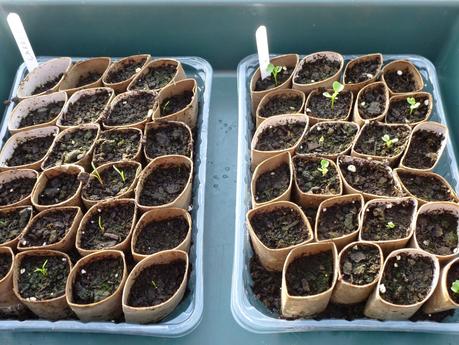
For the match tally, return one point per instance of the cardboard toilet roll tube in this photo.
(415, 95)
(81, 69)
(315, 119)
(355, 87)
(13, 242)
(9, 303)
(379, 308)
(183, 199)
(441, 299)
(434, 127)
(401, 65)
(357, 117)
(349, 293)
(44, 73)
(51, 309)
(273, 258)
(189, 114)
(122, 85)
(21, 110)
(156, 312)
(8, 150)
(110, 307)
(306, 306)
(268, 165)
(325, 83)
(390, 245)
(288, 60)
(280, 93)
(50, 173)
(157, 215)
(344, 240)
(66, 243)
(11, 175)
(259, 156)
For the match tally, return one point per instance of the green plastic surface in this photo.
(223, 33)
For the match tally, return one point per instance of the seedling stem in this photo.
(43, 269)
(121, 173)
(413, 104)
(96, 174)
(337, 88)
(388, 141)
(274, 71)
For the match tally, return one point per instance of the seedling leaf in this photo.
(390, 225)
(121, 173)
(324, 164)
(455, 286)
(274, 71)
(100, 224)
(413, 104)
(388, 141)
(96, 174)
(43, 269)
(337, 88)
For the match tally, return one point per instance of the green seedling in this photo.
(154, 284)
(43, 269)
(390, 225)
(274, 71)
(413, 104)
(455, 286)
(324, 164)
(165, 105)
(321, 140)
(337, 88)
(388, 141)
(2, 222)
(96, 174)
(121, 173)
(100, 224)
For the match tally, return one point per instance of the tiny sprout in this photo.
(321, 140)
(455, 286)
(96, 174)
(121, 173)
(165, 105)
(413, 104)
(43, 270)
(324, 167)
(2, 222)
(274, 71)
(100, 224)
(337, 88)
(154, 284)
(389, 142)
(390, 225)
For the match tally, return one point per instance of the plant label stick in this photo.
(263, 50)
(20, 36)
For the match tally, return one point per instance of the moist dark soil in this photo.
(41, 115)
(328, 138)
(5, 264)
(164, 185)
(49, 228)
(400, 83)
(279, 137)
(280, 228)
(156, 284)
(360, 264)
(131, 110)
(387, 221)
(362, 71)
(311, 213)
(161, 235)
(116, 145)
(281, 104)
(13, 191)
(13, 222)
(127, 69)
(168, 138)
(429, 188)
(316, 70)
(30, 150)
(372, 102)
(370, 140)
(423, 150)
(113, 184)
(72, 147)
(320, 106)
(453, 275)
(269, 83)
(311, 180)
(156, 77)
(272, 184)
(86, 109)
(47, 85)
(97, 280)
(407, 279)
(266, 285)
(108, 226)
(339, 220)
(399, 111)
(88, 78)
(175, 103)
(59, 189)
(310, 275)
(436, 232)
(39, 285)
(369, 177)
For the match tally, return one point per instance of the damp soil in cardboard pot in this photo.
(15, 190)
(49, 84)
(426, 187)
(317, 70)
(86, 109)
(132, 109)
(266, 285)
(372, 102)
(399, 111)
(175, 103)
(30, 150)
(423, 150)
(156, 77)
(400, 81)
(116, 145)
(436, 232)
(59, 188)
(270, 83)
(363, 70)
(168, 138)
(125, 70)
(13, 222)
(281, 104)
(320, 106)
(360, 264)
(311, 180)
(279, 137)
(43, 114)
(272, 184)
(339, 220)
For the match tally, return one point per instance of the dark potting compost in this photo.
(30, 150)
(59, 188)
(360, 264)
(176, 103)
(116, 145)
(270, 82)
(168, 138)
(320, 106)
(155, 77)
(400, 80)
(86, 109)
(372, 102)
(47, 85)
(317, 70)
(13, 222)
(427, 187)
(15, 190)
(339, 220)
(126, 70)
(272, 184)
(423, 150)
(311, 180)
(281, 104)
(362, 70)
(42, 114)
(280, 137)
(400, 112)
(132, 109)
